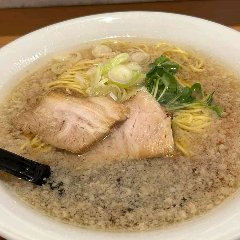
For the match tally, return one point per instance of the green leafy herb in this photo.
(162, 84)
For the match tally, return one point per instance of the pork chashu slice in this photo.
(71, 123)
(146, 133)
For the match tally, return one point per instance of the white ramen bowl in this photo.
(20, 222)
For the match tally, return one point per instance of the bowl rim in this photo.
(89, 17)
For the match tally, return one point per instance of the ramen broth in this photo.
(126, 194)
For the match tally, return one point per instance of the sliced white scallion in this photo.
(120, 74)
(119, 59)
(113, 96)
(101, 51)
(134, 66)
(124, 77)
(140, 57)
(117, 77)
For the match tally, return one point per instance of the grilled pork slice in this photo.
(146, 133)
(72, 123)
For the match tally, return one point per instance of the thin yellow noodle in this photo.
(61, 82)
(195, 69)
(183, 82)
(189, 121)
(184, 127)
(24, 145)
(182, 149)
(70, 84)
(36, 143)
(70, 88)
(171, 49)
(178, 51)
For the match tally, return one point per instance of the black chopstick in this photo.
(24, 168)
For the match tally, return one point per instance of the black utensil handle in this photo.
(24, 168)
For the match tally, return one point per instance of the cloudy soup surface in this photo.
(178, 159)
